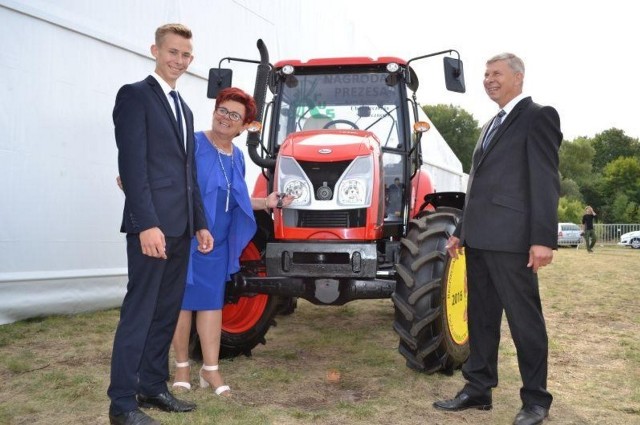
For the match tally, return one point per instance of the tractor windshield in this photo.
(361, 101)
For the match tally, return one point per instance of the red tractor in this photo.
(343, 136)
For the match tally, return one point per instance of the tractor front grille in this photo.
(324, 173)
(332, 219)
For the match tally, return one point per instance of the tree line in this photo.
(602, 171)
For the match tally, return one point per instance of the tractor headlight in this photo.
(354, 188)
(352, 192)
(293, 181)
(299, 190)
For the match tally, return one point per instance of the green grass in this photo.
(55, 370)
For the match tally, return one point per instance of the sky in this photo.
(580, 57)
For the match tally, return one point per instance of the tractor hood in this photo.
(329, 145)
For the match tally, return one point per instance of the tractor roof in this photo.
(356, 60)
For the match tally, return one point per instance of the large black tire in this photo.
(431, 339)
(246, 320)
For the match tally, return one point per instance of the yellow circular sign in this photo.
(456, 300)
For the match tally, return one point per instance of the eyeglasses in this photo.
(224, 112)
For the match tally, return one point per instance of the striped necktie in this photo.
(494, 128)
(176, 102)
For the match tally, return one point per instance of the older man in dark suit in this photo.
(163, 209)
(509, 231)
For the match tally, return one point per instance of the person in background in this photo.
(394, 197)
(587, 228)
(509, 231)
(162, 210)
(229, 211)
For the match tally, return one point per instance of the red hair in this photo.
(237, 95)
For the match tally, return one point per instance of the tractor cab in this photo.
(334, 99)
(322, 103)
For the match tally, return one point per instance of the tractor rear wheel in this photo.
(430, 298)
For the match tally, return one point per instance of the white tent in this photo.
(61, 64)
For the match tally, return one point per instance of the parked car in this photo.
(569, 234)
(631, 239)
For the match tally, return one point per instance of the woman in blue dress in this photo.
(229, 210)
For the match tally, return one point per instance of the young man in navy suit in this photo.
(509, 231)
(163, 209)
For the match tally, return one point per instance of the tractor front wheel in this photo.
(245, 319)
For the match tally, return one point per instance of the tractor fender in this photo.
(260, 187)
(443, 199)
(421, 186)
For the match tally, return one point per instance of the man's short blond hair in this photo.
(177, 29)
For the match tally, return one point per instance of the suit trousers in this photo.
(148, 317)
(497, 282)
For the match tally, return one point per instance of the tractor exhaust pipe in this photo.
(260, 95)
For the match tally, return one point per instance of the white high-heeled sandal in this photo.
(205, 384)
(182, 384)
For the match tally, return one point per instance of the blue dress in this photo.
(232, 228)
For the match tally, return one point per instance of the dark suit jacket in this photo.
(158, 176)
(513, 189)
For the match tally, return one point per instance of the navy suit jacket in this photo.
(158, 175)
(513, 189)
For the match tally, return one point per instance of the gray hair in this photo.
(514, 62)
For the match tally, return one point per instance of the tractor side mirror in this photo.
(219, 78)
(454, 75)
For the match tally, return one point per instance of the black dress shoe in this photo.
(531, 415)
(134, 417)
(165, 401)
(463, 401)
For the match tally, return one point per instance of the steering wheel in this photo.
(347, 122)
